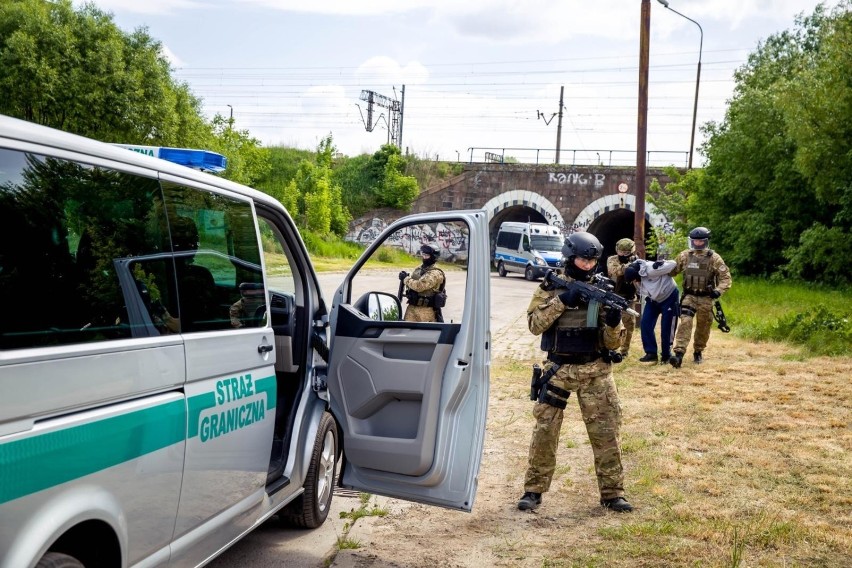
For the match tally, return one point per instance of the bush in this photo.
(822, 331)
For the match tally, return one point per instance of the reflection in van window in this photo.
(217, 260)
(67, 234)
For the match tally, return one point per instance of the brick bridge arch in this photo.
(597, 199)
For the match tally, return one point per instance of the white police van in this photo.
(171, 377)
(528, 248)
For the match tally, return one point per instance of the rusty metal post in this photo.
(642, 129)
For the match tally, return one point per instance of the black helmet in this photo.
(584, 245)
(432, 252)
(701, 234)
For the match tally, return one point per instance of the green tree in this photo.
(77, 71)
(756, 194)
(248, 162)
(392, 187)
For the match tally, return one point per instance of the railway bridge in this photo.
(597, 199)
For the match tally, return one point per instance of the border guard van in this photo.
(171, 376)
(528, 248)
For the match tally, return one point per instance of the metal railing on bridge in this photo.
(572, 157)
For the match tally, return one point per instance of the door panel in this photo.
(411, 397)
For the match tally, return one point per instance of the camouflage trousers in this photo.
(601, 410)
(697, 309)
(629, 325)
(420, 313)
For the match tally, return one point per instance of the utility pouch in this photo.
(439, 300)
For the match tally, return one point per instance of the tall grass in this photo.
(816, 317)
(333, 253)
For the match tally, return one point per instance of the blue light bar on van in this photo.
(203, 160)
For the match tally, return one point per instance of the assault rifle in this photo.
(600, 290)
(401, 284)
(719, 316)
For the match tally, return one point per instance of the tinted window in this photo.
(71, 239)
(217, 260)
(508, 240)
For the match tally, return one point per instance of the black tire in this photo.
(528, 273)
(501, 270)
(311, 508)
(58, 560)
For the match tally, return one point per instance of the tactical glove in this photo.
(571, 297)
(403, 274)
(714, 293)
(657, 264)
(613, 317)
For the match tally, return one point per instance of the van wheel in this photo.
(311, 508)
(528, 274)
(501, 270)
(58, 560)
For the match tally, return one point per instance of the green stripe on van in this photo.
(270, 387)
(40, 462)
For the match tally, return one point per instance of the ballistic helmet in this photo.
(700, 234)
(584, 245)
(625, 247)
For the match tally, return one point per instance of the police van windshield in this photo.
(546, 242)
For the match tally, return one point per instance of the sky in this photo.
(477, 76)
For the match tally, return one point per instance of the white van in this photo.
(528, 248)
(171, 376)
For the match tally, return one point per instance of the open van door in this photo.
(411, 397)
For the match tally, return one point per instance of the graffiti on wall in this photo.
(577, 178)
(451, 239)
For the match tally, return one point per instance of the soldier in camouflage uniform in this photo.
(705, 278)
(615, 265)
(425, 288)
(577, 337)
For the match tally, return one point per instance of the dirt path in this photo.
(496, 533)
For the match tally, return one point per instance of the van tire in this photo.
(501, 270)
(528, 273)
(58, 560)
(311, 508)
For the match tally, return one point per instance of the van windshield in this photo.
(546, 242)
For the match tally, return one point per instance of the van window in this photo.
(68, 235)
(217, 260)
(551, 243)
(508, 240)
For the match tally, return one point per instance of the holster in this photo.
(542, 391)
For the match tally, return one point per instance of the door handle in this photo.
(264, 349)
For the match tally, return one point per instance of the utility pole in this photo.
(559, 124)
(642, 129)
(547, 121)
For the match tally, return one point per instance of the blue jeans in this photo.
(668, 308)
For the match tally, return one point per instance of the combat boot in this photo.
(648, 358)
(676, 360)
(529, 501)
(617, 504)
(697, 357)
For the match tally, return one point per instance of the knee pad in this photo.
(687, 311)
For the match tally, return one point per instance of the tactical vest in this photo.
(427, 298)
(698, 274)
(575, 332)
